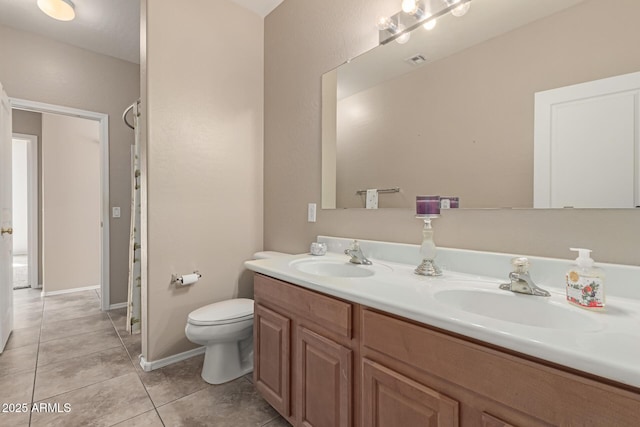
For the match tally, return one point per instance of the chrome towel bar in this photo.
(383, 190)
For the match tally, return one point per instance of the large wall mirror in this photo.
(451, 112)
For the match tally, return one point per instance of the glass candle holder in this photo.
(427, 205)
(428, 251)
(318, 249)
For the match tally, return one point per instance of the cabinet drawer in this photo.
(332, 314)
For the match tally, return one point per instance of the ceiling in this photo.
(109, 27)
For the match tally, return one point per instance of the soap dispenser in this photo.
(585, 282)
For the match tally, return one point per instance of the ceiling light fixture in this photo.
(62, 10)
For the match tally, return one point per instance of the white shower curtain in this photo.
(133, 307)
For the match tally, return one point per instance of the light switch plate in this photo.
(115, 212)
(311, 212)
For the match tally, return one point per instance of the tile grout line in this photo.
(35, 368)
(155, 408)
(79, 388)
(84, 386)
(271, 420)
(77, 357)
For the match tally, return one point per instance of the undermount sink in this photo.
(527, 310)
(335, 268)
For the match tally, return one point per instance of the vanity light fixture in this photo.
(404, 37)
(409, 5)
(414, 8)
(415, 13)
(391, 26)
(387, 24)
(62, 10)
(430, 24)
(461, 7)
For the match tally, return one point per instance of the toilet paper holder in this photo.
(179, 279)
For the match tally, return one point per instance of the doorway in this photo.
(102, 199)
(25, 210)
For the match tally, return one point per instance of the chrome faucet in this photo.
(521, 281)
(357, 257)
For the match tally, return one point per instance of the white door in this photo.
(587, 145)
(6, 239)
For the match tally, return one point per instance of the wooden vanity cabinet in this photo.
(303, 354)
(325, 362)
(493, 387)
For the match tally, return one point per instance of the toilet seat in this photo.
(222, 313)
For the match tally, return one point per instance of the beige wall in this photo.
(464, 124)
(39, 69)
(297, 52)
(71, 202)
(30, 123)
(203, 107)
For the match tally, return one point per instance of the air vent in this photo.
(416, 60)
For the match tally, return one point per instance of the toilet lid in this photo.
(229, 311)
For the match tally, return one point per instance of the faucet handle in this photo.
(355, 245)
(520, 265)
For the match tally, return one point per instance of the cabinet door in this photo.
(324, 381)
(272, 365)
(390, 399)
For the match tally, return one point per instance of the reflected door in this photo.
(587, 145)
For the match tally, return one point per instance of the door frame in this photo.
(32, 205)
(103, 124)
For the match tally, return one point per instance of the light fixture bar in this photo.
(429, 9)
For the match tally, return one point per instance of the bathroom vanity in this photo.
(338, 348)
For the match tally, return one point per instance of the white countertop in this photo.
(610, 350)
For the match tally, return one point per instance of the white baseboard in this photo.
(157, 364)
(69, 291)
(118, 305)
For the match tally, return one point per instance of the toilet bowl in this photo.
(225, 329)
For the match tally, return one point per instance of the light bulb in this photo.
(403, 38)
(409, 6)
(430, 25)
(386, 23)
(462, 9)
(62, 10)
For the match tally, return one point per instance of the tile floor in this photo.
(64, 350)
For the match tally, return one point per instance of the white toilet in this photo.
(225, 328)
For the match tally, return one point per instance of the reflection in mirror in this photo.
(461, 122)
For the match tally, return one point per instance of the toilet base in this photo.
(237, 357)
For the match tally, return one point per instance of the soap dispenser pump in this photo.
(585, 282)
